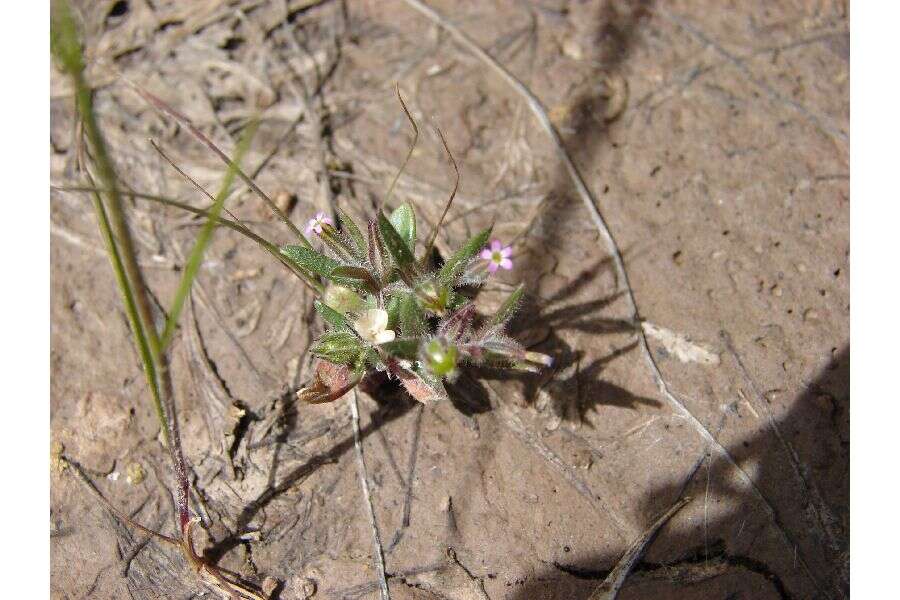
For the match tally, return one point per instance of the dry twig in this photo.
(610, 587)
(364, 483)
(540, 113)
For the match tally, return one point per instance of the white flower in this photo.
(372, 326)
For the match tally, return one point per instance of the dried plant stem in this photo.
(203, 212)
(610, 587)
(364, 484)
(89, 485)
(66, 47)
(409, 154)
(186, 123)
(540, 113)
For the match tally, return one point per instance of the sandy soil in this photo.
(715, 141)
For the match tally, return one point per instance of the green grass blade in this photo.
(203, 239)
(237, 226)
(131, 311)
(66, 47)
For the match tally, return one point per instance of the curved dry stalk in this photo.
(610, 587)
(437, 226)
(192, 129)
(210, 574)
(411, 148)
(192, 181)
(590, 204)
(89, 485)
(364, 484)
(204, 212)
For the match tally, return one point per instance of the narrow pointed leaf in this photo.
(378, 256)
(395, 245)
(331, 316)
(361, 276)
(407, 348)
(454, 267)
(404, 221)
(339, 347)
(354, 232)
(318, 263)
(509, 306)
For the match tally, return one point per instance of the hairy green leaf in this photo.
(509, 306)
(331, 316)
(339, 347)
(454, 267)
(404, 221)
(354, 232)
(410, 315)
(392, 306)
(309, 259)
(318, 263)
(398, 249)
(407, 348)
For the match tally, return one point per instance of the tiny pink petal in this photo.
(506, 264)
(506, 252)
(496, 245)
(485, 254)
(492, 267)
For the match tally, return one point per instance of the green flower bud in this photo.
(440, 357)
(434, 297)
(342, 299)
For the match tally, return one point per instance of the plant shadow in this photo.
(730, 556)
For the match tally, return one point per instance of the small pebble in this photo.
(134, 473)
(810, 314)
(242, 274)
(57, 462)
(572, 49)
(301, 587)
(284, 200)
(270, 584)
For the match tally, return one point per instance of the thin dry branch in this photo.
(540, 113)
(364, 484)
(610, 587)
(90, 487)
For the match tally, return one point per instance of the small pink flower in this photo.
(497, 256)
(315, 224)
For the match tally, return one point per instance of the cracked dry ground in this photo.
(723, 174)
